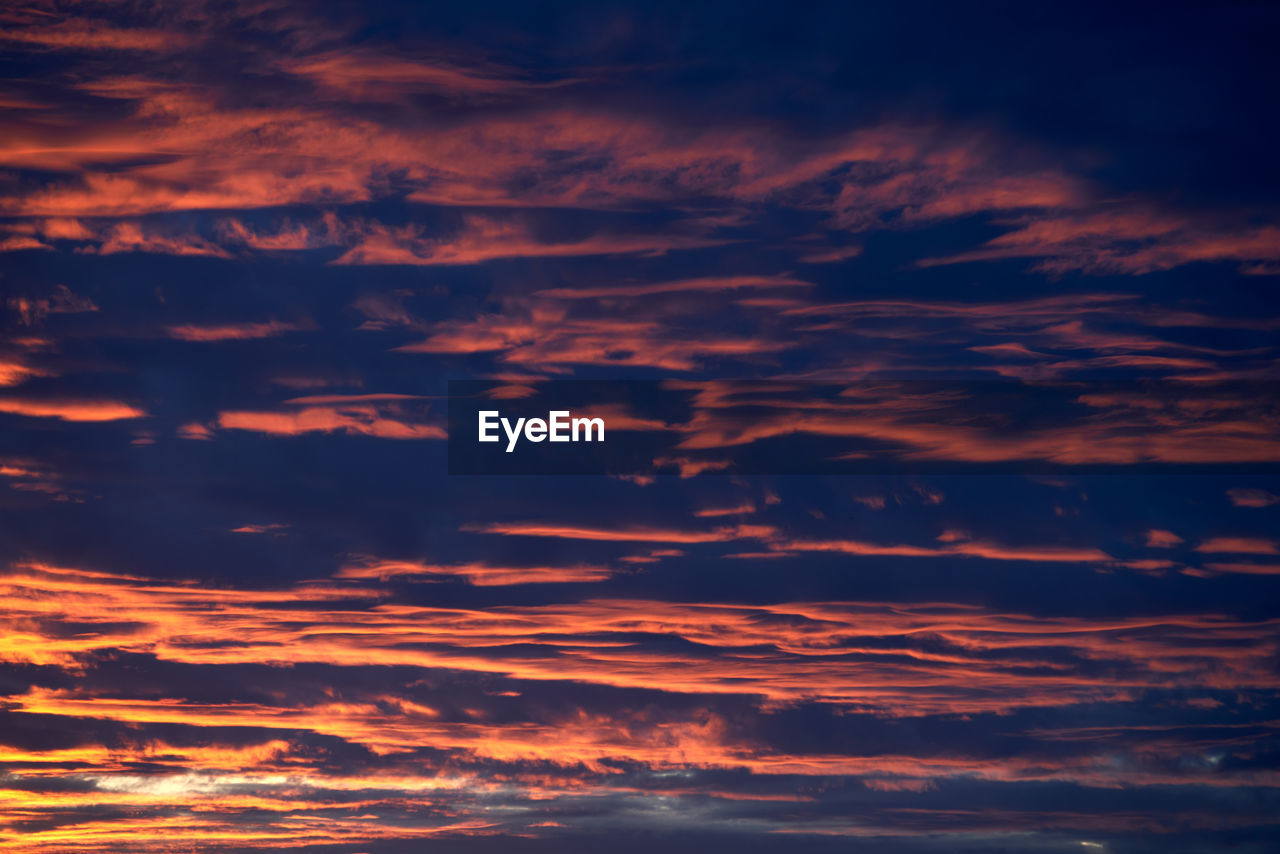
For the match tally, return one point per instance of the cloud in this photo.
(195, 430)
(131, 237)
(71, 410)
(351, 418)
(21, 242)
(457, 668)
(546, 335)
(815, 648)
(435, 714)
(291, 237)
(830, 256)
(987, 316)
(955, 423)
(87, 35)
(1133, 241)
(60, 300)
(484, 239)
(1240, 545)
(630, 535)
(709, 283)
(1252, 497)
(364, 76)
(14, 372)
(1245, 568)
(735, 510)
(268, 528)
(1159, 539)
(974, 548)
(181, 147)
(231, 331)
(478, 574)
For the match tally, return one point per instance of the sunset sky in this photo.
(246, 244)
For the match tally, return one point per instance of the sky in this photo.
(245, 246)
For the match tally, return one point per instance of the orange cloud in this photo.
(735, 510)
(974, 548)
(221, 157)
(13, 372)
(131, 237)
(888, 659)
(478, 574)
(1158, 539)
(195, 430)
(20, 242)
(61, 300)
(822, 651)
(630, 535)
(361, 419)
(1245, 568)
(1240, 545)
(71, 410)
